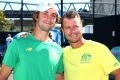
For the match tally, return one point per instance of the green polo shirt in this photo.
(32, 59)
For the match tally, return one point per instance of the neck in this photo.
(40, 35)
(78, 44)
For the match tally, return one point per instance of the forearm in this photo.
(2, 77)
(5, 72)
(116, 73)
(117, 77)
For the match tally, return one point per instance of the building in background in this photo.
(105, 7)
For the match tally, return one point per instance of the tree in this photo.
(4, 23)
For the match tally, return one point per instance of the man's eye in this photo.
(67, 27)
(54, 16)
(44, 13)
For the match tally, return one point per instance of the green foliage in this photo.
(4, 23)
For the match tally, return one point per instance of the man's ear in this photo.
(58, 19)
(35, 16)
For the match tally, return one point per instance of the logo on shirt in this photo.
(116, 64)
(86, 58)
(29, 49)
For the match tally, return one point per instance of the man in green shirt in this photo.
(35, 57)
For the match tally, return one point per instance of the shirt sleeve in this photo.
(60, 68)
(11, 55)
(108, 62)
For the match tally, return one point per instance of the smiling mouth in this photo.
(73, 35)
(49, 23)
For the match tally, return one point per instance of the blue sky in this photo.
(17, 6)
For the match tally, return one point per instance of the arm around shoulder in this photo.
(5, 72)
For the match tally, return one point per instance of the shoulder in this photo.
(96, 44)
(98, 48)
(18, 42)
(66, 48)
(55, 46)
(21, 39)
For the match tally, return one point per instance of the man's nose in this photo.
(73, 29)
(49, 16)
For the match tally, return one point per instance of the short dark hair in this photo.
(70, 14)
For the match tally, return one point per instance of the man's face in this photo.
(72, 29)
(47, 19)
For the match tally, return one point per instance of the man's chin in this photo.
(73, 41)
